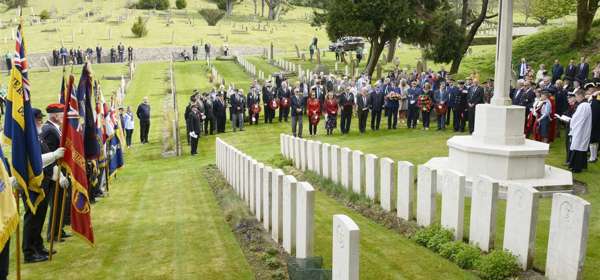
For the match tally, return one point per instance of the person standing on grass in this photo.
(195, 129)
(376, 102)
(238, 105)
(129, 125)
(143, 113)
(441, 98)
(331, 109)
(474, 98)
(413, 109)
(425, 103)
(98, 53)
(580, 129)
(347, 102)
(363, 104)
(219, 108)
(209, 112)
(297, 109)
(314, 113)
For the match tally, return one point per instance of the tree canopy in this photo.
(379, 21)
(545, 10)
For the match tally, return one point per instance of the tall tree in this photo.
(545, 10)
(525, 7)
(586, 10)
(379, 21)
(276, 7)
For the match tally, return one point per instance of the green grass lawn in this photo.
(161, 220)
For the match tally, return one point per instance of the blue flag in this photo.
(20, 131)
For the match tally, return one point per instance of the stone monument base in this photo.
(554, 179)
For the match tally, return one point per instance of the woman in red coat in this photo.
(331, 109)
(314, 113)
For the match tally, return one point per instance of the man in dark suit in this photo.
(571, 71)
(195, 129)
(267, 96)
(238, 105)
(50, 136)
(209, 122)
(475, 97)
(143, 113)
(363, 104)
(347, 103)
(557, 70)
(253, 99)
(220, 112)
(297, 109)
(376, 102)
(583, 70)
(99, 53)
(284, 93)
(460, 107)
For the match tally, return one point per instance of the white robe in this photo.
(581, 127)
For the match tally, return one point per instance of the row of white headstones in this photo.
(286, 209)
(249, 67)
(395, 191)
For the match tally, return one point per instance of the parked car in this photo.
(347, 44)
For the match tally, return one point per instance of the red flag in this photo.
(74, 163)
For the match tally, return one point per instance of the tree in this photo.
(525, 7)
(44, 15)
(212, 16)
(545, 10)
(276, 7)
(226, 5)
(586, 10)
(180, 4)
(139, 28)
(379, 21)
(11, 4)
(453, 39)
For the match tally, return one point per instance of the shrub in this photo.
(422, 236)
(139, 28)
(441, 237)
(497, 265)
(44, 15)
(153, 4)
(450, 249)
(467, 256)
(180, 4)
(212, 16)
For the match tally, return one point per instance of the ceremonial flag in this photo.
(20, 131)
(74, 163)
(9, 217)
(84, 92)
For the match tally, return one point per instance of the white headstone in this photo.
(335, 164)
(358, 171)
(426, 187)
(305, 220)
(250, 199)
(520, 223)
(453, 203)
(291, 147)
(387, 184)
(326, 156)
(346, 249)
(317, 158)
(282, 144)
(371, 175)
(346, 166)
(258, 191)
(303, 159)
(297, 145)
(310, 154)
(277, 205)
(567, 242)
(406, 190)
(289, 213)
(266, 194)
(482, 226)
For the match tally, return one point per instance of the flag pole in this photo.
(18, 239)
(53, 219)
(62, 213)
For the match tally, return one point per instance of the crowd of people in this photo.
(404, 98)
(64, 56)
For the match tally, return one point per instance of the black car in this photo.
(347, 44)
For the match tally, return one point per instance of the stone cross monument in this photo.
(498, 147)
